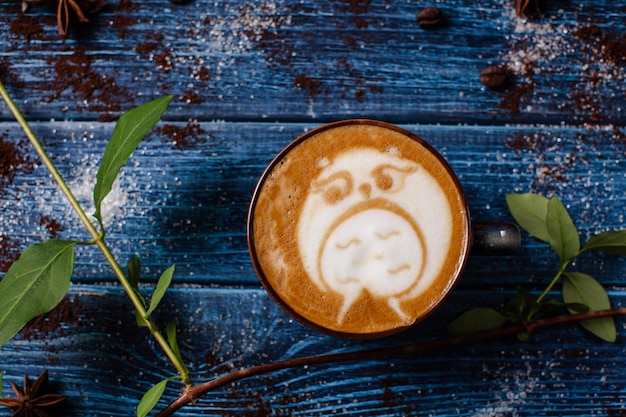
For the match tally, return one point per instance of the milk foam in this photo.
(374, 222)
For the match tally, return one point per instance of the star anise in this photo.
(29, 403)
(81, 9)
(525, 7)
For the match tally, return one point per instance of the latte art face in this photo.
(362, 228)
(358, 229)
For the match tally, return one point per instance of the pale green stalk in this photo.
(95, 234)
(553, 282)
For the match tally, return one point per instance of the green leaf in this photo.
(613, 243)
(476, 320)
(141, 322)
(530, 211)
(170, 329)
(34, 284)
(130, 129)
(545, 307)
(164, 282)
(1, 376)
(134, 268)
(564, 237)
(152, 397)
(134, 272)
(521, 307)
(583, 289)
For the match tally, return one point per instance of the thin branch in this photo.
(192, 394)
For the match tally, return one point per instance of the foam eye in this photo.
(390, 178)
(334, 194)
(383, 181)
(335, 187)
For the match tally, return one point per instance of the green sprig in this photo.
(40, 278)
(548, 220)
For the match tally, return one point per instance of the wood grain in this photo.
(249, 77)
(103, 367)
(189, 206)
(282, 60)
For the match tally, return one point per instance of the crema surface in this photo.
(359, 229)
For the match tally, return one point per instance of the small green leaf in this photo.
(34, 284)
(141, 322)
(583, 289)
(530, 211)
(1, 376)
(134, 271)
(523, 336)
(524, 306)
(564, 237)
(170, 329)
(164, 282)
(613, 243)
(545, 307)
(152, 397)
(521, 306)
(134, 268)
(476, 320)
(130, 129)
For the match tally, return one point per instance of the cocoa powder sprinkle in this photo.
(183, 137)
(9, 252)
(12, 161)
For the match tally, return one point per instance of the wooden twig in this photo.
(192, 394)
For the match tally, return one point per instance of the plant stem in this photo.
(194, 393)
(553, 282)
(48, 163)
(95, 234)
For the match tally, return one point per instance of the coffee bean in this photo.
(494, 76)
(430, 17)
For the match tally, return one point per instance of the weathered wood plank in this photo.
(284, 60)
(103, 365)
(187, 205)
(234, 69)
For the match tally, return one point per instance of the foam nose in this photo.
(366, 190)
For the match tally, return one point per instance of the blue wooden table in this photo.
(249, 77)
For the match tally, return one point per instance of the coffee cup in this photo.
(360, 229)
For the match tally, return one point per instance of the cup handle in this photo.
(495, 238)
